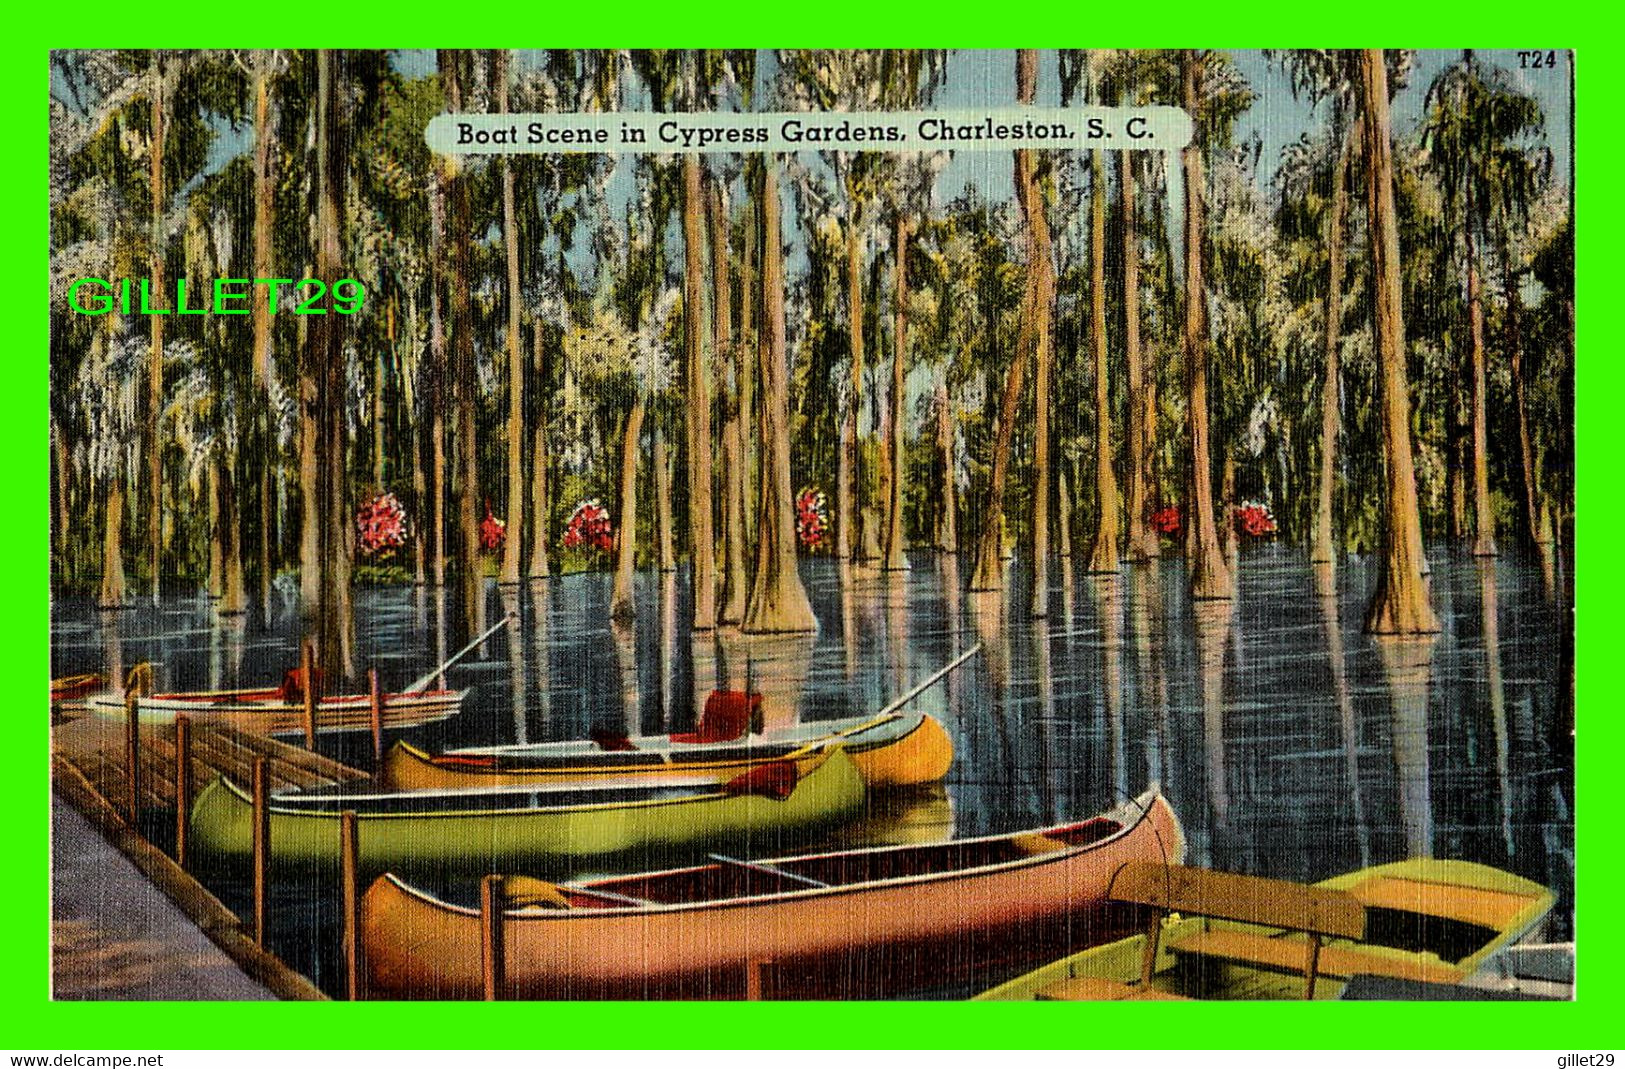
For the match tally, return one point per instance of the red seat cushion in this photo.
(776, 779)
(728, 716)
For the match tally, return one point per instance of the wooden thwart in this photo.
(1315, 911)
(1492, 909)
(1287, 955)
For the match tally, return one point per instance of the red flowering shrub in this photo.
(380, 527)
(1167, 520)
(589, 528)
(493, 532)
(812, 518)
(1254, 519)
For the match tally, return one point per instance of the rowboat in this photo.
(71, 688)
(281, 710)
(1218, 935)
(558, 829)
(270, 711)
(835, 924)
(891, 751)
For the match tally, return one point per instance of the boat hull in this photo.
(850, 941)
(1505, 905)
(921, 753)
(556, 840)
(264, 714)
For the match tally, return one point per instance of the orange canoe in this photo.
(844, 924)
(898, 751)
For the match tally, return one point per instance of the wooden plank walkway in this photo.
(108, 944)
(95, 746)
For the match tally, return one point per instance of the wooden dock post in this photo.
(375, 710)
(493, 954)
(262, 845)
(307, 666)
(132, 756)
(759, 976)
(183, 785)
(350, 869)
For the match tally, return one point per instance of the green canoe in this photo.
(547, 830)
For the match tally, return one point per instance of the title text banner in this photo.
(1163, 129)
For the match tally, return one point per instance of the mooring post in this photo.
(183, 785)
(132, 755)
(307, 662)
(350, 866)
(375, 709)
(262, 844)
(759, 975)
(493, 954)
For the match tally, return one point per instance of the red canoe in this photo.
(856, 923)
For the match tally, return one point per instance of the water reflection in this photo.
(1347, 727)
(1407, 662)
(1290, 743)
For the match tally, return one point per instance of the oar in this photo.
(889, 712)
(422, 682)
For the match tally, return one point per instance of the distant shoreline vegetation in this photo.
(99, 296)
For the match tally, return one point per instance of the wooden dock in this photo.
(96, 747)
(91, 771)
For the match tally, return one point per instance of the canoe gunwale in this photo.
(661, 746)
(244, 798)
(1139, 811)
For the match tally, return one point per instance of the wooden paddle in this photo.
(890, 712)
(423, 681)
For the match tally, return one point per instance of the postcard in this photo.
(1042, 525)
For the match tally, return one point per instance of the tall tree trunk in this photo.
(379, 372)
(436, 400)
(663, 521)
(470, 578)
(1103, 555)
(895, 558)
(1400, 605)
(1210, 577)
(310, 551)
(622, 602)
(1534, 531)
(1063, 517)
(59, 441)
(778, 601)
(849, 492)
(112, 592)
(538, 462)
(1483, 515)
(1457, 433)
(216, 534)
(749, 339)
(264, 231)
(1038, 263)
(1142, 538)
(335, 626)
(733, 527)
(988, 573)
(420, 498)
(516, 356)
(1321, 546)
(948, 499)
(155, 359)
(233, 598)
(698, 408)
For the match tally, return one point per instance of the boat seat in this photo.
(1099, 989)
(1036, 842)
(1167, 889)
(1290, 955)
(1482, 906)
